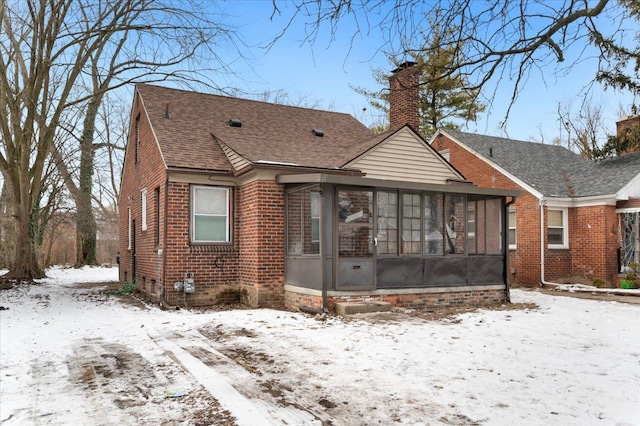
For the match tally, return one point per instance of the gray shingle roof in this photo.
(553, 170)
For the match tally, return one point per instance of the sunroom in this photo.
(350, 237)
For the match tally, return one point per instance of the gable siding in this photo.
(404, 157)
(237, 161)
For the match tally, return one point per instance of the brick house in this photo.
(289, 207)
(586, 212)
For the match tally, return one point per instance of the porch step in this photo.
(351, 308)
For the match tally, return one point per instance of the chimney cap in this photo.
(402, 66)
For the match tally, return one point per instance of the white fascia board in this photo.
(596, 200)
(531, 190)
(624, 192)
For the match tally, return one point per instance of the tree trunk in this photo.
(25, 265)
(86, 228)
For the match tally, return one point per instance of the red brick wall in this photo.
(261, 245)
(593, 243)
(148, 172)
(215, 267)
(414, 301)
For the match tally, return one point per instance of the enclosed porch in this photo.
(414, 244)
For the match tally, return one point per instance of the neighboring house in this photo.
(586, 212)
(292, 207)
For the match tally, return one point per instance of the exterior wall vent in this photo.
(234, 122)
(317, 132)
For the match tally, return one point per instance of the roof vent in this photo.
(234, 122)
(317, 132)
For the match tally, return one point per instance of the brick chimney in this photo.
(404, 96)
(627, 122)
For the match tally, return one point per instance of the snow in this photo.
(72, 354)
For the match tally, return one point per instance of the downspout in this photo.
(542, 247)
(505, 242)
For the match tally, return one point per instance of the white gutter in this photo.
(542, 280)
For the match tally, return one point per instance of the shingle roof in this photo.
(553, 170)
(269, 133)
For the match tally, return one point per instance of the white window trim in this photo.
(128, 228)
(565, 226)
(515, 228)
(144, 209)
(192, 215)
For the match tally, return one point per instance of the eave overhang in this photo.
(394, 184)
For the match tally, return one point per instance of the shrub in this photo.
(127, 288)
(598, 282)
(633, 276)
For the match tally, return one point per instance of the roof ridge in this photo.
(195, 92)
(509, 139)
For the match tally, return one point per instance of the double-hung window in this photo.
(512, 228)
(210, 208)
(144, 209)
(557, 228)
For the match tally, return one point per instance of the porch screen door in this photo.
(356, 244)
(630, 239)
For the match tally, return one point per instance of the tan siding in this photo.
(404, 157)
(237, 161)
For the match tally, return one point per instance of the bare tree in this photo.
(501, 42)
(57, 54)
(585, 129)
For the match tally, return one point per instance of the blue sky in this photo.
(328, 70)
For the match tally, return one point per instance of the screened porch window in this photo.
(210, 207)
(387, 222)
(303, 222)
(434, 223)
(411, 224)
(455, 223)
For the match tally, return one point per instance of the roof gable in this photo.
(403, 155)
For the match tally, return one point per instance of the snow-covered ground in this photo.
(71, 354)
